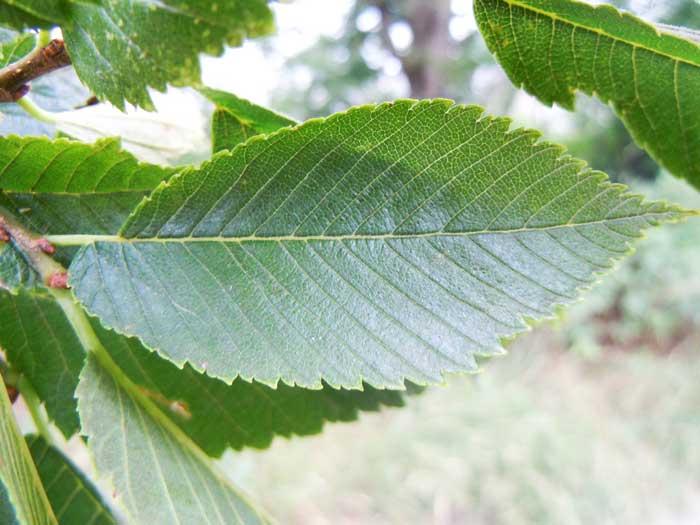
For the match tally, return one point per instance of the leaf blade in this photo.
(649, 74)
(40, 344)
(176, 468)
(387, 243)
(63, 186)
(18, 475)
(119, 49)
(68, 490)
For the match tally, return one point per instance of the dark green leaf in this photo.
(12, 15)
(651, 77)
(217, 415)
(55, 11)
(386, 243)
(40, 343)
(120, 48)
(235, 120)
(75, 500)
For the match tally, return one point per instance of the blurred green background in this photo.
(592, 418)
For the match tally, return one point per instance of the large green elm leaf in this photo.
(72, 496)
(20, 485)
(40, 344)
(386, 243)
(158, 473)
(235, 120)
(63, 186)
(650, 76)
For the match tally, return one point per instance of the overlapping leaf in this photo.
(157, 472)
(235, 120)
(388, 242)
(40, 343)
(72, 496)
(217, 416)
(20, 485)
(120, 48)
(650, 75)
(63, 186)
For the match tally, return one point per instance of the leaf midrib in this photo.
(75, 193)
(555, 17)
(66, 240)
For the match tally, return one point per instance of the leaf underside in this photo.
(650, 76)
(158, 477)
(386, 243)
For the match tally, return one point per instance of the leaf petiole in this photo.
(35, 111)
(33, 403)
(43, 37)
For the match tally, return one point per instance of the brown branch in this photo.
(35, 248)
(9, 378)
(15, 77)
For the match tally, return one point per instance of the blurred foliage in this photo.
(536, 438)
(652, 302)
(363, 64)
